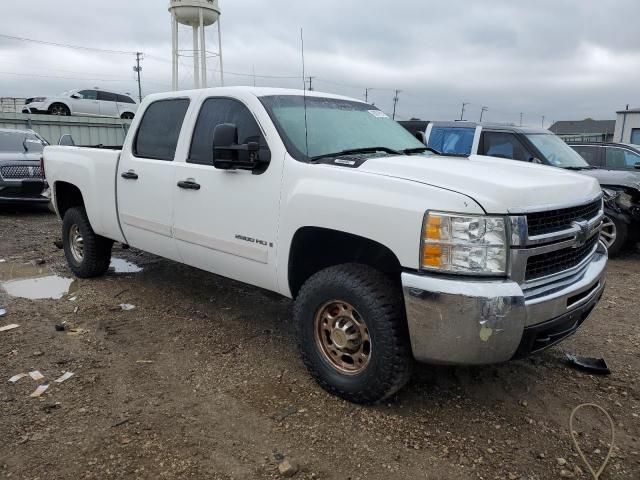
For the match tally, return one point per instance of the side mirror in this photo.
(76, 96)
(229, 155)
(637, 166)
(66, 141)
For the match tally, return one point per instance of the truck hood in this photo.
(615, 178)
(500, 186)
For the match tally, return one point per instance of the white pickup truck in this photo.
(391, 252)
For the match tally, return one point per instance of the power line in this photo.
(65, 45)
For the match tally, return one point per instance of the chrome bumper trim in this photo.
(473, 322)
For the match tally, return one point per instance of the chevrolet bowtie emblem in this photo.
(582, 235)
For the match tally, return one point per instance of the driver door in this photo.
(225, 221)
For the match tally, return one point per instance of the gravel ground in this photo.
(202, 380)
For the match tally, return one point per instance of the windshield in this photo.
(20, 142)
(556, 151)
(334, 126)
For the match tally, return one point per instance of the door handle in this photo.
(189, 184)
(130, 175)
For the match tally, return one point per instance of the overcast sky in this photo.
(564, 59)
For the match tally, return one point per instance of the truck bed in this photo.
(91, 170)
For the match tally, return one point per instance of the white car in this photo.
(392, 253)
(93, 102)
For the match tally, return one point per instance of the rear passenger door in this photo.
(145, 178)
(108, 105)
(621, 158)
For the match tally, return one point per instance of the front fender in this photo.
(387, 210)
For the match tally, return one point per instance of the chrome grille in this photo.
(16, 172)
(557, 261)
(541, 223)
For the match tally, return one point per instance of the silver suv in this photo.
(21, 176)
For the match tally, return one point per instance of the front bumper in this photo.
(453, 320)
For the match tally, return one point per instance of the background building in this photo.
(587, 130)
(628, 126)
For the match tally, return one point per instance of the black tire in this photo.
(96, 250)
(621, 231)
(127, 116)
(59, 109)
(378, 300)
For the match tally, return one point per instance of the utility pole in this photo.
(464, 105)
(311, 83)
(395, 103)
(137, 68)
(542, 121)
(521, 114)
(484, 109)
(366, 94)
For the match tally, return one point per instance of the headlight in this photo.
(39, 99)
(466, 244)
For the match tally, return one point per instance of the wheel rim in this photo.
(608, 232)
(76, 242)
(58, 110)
(342, 337)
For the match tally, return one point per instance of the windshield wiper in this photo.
(579, 168)
(352, 151)
(24, 145)
(409, 151)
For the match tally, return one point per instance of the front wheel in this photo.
(353, 334)
(87, 253)
(614, 233)
(59, 109)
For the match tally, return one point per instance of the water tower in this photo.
(197, 14)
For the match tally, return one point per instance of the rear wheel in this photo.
(613, 234)
(59, 109)
(353, 334)
(87, 253)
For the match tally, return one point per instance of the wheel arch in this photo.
(316, 248)
(66, 196)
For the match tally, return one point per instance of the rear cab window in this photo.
(159, 130)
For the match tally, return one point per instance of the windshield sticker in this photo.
(378, 114)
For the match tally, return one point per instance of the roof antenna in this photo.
(304, 96)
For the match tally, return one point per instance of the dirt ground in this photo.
(203, 380)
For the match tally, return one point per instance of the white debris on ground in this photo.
(127, 306)
(17, 377)
(36, 375)
(66, 376)
(40, 390)
(9, 327)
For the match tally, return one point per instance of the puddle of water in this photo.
(120, 265)
(34, 282)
